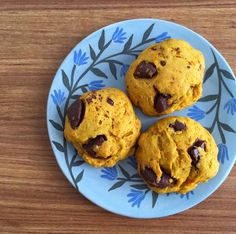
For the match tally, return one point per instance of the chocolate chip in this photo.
(94, 96)
(150, 177)
(200, 143)
(163, 63)
(194, 154)
(75, 113)
(145, 70)
(188, 67)
(92, 142)
(89, 100)
(178, 126)
(91, 97)
(110, 101)
(153, 48)
(166, 180)
(160, 102)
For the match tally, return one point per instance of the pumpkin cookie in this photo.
(166, 77)
(176, 154)
(102, 126)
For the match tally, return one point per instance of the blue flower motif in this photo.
(132, 162)
(196, 113)
(58, 97)
(223, 153)
(109, 173)
(162, 37)
(136, 197)
(187, 195)
(95, 85)
(119, 36)
(80, 58)
(230, 106)
(123, 70)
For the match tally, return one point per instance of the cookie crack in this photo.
(179, 152)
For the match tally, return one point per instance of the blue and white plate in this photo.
(101, 60)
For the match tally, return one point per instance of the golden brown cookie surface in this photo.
(176, 154)
(102, 126)
(166, 77)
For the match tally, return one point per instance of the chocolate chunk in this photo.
(89, 100)
(145, 70)
(110, 101)
(194, 154)
(75, 113)
(160, 102)
(94, 96)
(150, 177)
(163, 63)
(166, 180)
(92, 142)
(178, 126)
(200, 143)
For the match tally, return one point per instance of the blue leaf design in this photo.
(209, 72)
(196, 113)
(56, 125)
(187, 195)
(230, 106)
(58, 97)
(123, 70)
(80, 58)
(132, 162)
(118, 36)
(208, 98)
(226, 127)
(162, 37)
(65, 80)
(79, 177)
(139, 186)
(112, 67)
(223, 153)
(124, 172)
(116, 185)
(101, 41)
(227, 74)
(136, 197)
(109, 173)
(154, 198)
(98, 72)
(147, 33)
(128, 44)
(58, 146)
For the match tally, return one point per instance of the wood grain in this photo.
(35, 37)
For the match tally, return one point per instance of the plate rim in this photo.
(102, 204)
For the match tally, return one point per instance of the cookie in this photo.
(176, 154)
(166, 77)
(102, 126)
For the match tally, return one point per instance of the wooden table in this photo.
(35, 36)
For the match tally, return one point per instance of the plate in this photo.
(101, 60)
